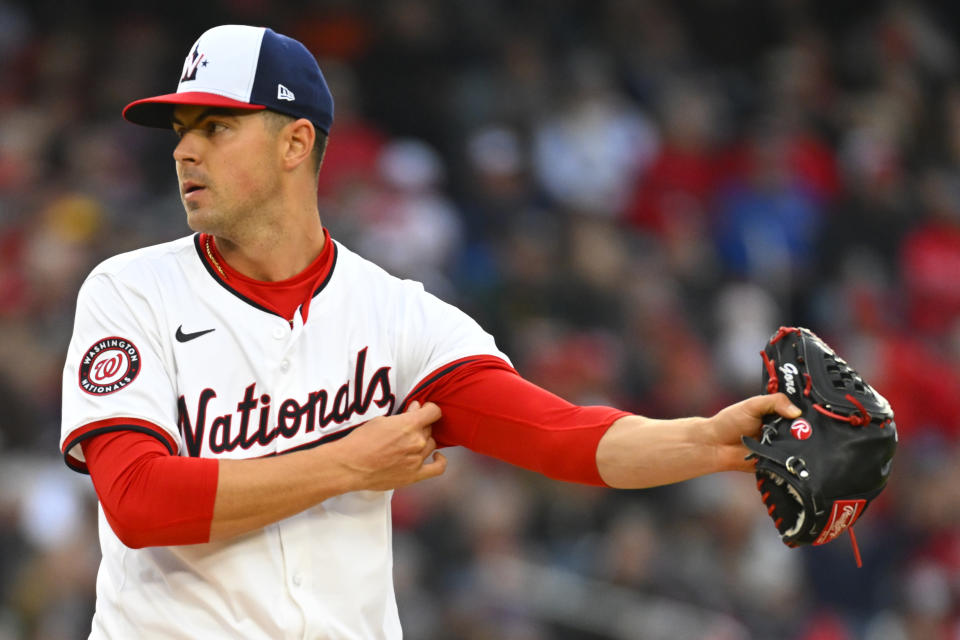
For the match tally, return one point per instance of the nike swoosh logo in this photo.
(187, 337)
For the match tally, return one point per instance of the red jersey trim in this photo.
(437, 374)
(91, 429)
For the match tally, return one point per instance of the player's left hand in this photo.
(390, 452)
(745, 418)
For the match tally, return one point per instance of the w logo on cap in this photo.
(191, 64)
(284, 94)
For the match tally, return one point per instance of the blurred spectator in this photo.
(683, 174)
(408, 223)
(499, 180)
(356, 143)
(769, 214)
(930, 259)
(746, 315)
(587, 154)
(673, 197)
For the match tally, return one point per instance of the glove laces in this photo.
(856, 548)
(857, 420)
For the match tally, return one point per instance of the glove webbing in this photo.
(765, 497)
(773, 385)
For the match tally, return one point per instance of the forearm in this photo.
(385, 453)
(255, 493)
(638, 452)
(151, 498)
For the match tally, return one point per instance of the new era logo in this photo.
(284, 94)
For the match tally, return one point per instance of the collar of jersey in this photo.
(279, 298)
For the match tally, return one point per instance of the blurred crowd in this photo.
(631, 195)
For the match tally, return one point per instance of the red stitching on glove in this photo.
(854, 419)
(773, 383)
(864, 418)
(784, 331)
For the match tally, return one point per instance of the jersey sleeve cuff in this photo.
(441, 372)
(73, 456)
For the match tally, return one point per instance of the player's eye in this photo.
(214, 126)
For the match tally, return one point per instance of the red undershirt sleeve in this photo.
(488, 408)
(149, 497)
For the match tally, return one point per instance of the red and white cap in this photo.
(243, 67)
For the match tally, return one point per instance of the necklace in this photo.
(212, 259)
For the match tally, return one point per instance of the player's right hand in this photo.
(389, 452)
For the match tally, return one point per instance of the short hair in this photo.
(276, 121)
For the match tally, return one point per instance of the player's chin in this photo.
(201, 219)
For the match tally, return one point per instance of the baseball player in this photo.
(247, 398)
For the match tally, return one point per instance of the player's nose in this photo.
(187, 149)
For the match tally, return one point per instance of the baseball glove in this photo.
(817, 473)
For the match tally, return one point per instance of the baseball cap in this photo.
(244, 67)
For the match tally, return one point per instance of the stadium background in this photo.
(631, 195)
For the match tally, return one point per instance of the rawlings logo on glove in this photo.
(818, 473)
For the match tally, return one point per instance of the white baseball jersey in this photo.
(162, 344)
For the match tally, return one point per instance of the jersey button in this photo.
(297, 580)
(284, 366)
(278, 333)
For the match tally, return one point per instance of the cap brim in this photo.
(158, 110)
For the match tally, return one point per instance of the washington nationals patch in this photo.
(109, 365)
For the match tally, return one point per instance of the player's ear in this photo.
(298, 138)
